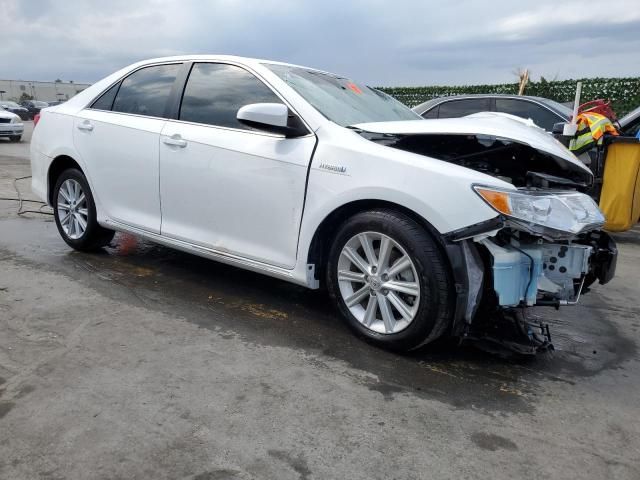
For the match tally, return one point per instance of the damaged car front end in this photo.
(545, 246)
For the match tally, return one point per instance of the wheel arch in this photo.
(57, 166)
(321, 240)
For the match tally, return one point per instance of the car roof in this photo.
(227, 58)
(423, 107)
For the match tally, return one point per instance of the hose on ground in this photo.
(21, 200)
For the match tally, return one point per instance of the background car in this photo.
(11, 126)
(544, 112)
(629, 125)
(34, 107)
(13, 107)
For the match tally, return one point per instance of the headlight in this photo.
(16, 119)
(561, 211)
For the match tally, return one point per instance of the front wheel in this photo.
(390, 280)
(75, 213)
(15, 138)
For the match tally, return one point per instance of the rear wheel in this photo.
(389, 280)
(75, 213)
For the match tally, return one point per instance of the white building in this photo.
(45, 91)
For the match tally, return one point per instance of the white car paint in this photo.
(248, 198)
(10, 124)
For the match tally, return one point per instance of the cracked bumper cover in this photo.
(540, 273)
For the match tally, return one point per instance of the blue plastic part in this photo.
(513, 272)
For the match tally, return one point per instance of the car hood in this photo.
(7, 114)
(490, 124)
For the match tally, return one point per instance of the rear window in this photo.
(462, 108)
(105, 101)
(146, 91)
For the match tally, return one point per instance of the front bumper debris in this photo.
(533, 272)
(523, 271)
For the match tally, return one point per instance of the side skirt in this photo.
(209, 253)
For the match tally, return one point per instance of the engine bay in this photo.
(511, 161)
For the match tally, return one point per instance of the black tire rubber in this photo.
(16, 138)
(436, 287)
(95, 236)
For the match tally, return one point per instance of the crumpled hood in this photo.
(492, 124)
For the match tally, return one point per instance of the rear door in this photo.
(118, 138)
(227, 186)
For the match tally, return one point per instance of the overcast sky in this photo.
(379, 42)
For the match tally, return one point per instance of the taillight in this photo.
(36, 119)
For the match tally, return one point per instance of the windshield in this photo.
(10, 104)
(342, 100)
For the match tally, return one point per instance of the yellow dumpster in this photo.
(620, 195)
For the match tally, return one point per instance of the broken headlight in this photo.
(545, 212)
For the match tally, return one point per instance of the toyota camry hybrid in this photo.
(417, 228)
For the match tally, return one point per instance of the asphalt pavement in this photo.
(145, 362)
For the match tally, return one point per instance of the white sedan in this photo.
(417, 227)
(11, 125)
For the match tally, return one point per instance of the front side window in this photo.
(462, 108)
(540, 115)
(146, 91)
(341, 100)
(215, 92)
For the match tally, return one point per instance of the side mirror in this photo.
(272, 117)
(558, 128)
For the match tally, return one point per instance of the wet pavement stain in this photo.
(492, 442)
(268, 312)
(296, 462)
(222, 474)
(5, 407)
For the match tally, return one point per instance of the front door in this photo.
(224, 185)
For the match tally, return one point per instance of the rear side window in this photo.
(433, 113)
(461, 108)
(525, 109)
(215, 92)
(146, 91)
(105, 101)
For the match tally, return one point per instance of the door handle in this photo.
(174, 141)
(86, 125)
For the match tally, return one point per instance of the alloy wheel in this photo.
(73, 211)
(378, 282)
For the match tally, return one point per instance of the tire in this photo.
(16, 138)
(429, 306)
(70, 215)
